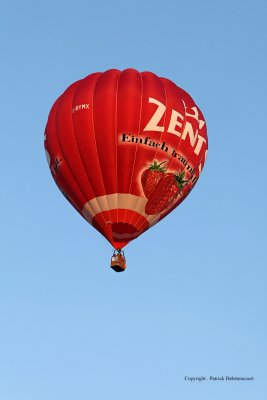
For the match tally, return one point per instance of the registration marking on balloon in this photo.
(80, 107)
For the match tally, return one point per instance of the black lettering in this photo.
(125, 138)
(164, 147)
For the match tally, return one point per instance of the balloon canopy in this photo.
(125, 148)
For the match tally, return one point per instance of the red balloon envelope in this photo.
(125, 148)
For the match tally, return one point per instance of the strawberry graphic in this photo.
(165, 192)
(151, 177)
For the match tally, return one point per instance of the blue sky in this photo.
(193, 299)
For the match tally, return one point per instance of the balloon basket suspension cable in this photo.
(118, 261)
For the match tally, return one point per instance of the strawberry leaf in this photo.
(158, 167)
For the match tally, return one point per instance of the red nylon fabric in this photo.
(105, 130)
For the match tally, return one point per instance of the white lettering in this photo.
(195, 113)
(174, 122)
(80, 107)
(153, 123)
(201, 123)
(200, 141)
(188, 130)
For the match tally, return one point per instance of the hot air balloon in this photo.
(125, 148)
